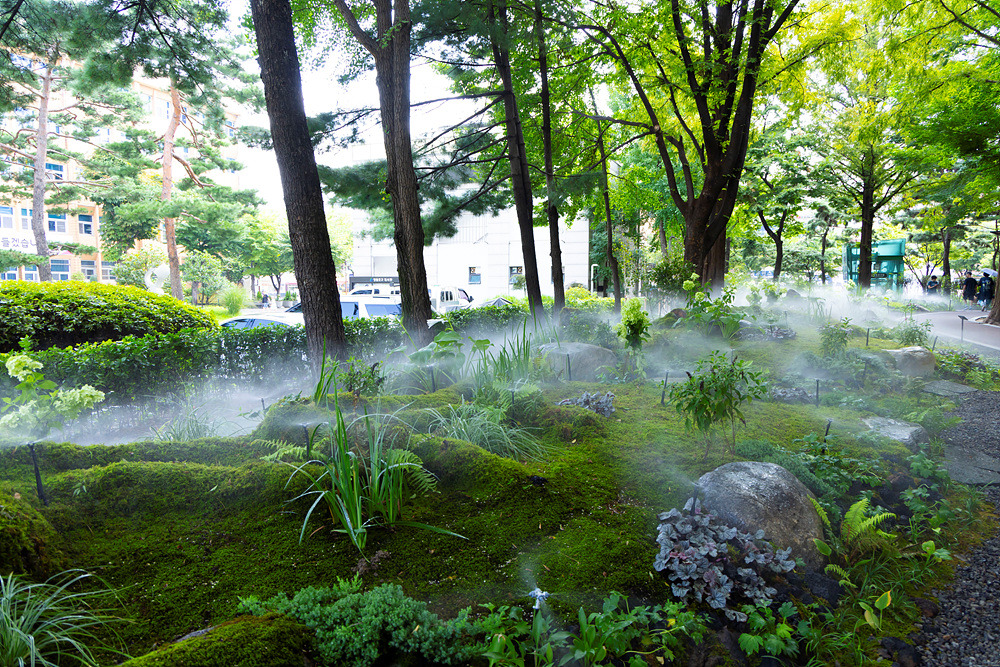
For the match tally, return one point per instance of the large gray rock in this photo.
(914, 361)
(911, 435)
(580, 362)
(764, 496)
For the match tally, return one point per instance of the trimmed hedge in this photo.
(487, 319)
(136, 367)
(71, 313)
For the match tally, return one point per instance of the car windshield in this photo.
(385, 309)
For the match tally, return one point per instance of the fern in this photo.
(861, 533)
(422, 479)
(283, 451)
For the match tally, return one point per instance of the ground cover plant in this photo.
(184, 530)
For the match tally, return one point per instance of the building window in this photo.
(86, 224)
(475, 278)
(107, 270)
(54, 171)
(89, 268)
(6, 217)
(230, 129)
(147, 104)
(31, 273)
(9, 274)
(165, 107)
(25, 218)
(57, 222)
(60, 269)
(515, 271)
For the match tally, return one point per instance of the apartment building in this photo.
(83, 225)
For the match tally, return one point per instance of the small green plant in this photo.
(833, 337)
(634, 327)
(49, 624)
(770, 634)
(359, 489)
(716, 393)
(706, 313)
(910, 332)
(484, 426)
(859, 538)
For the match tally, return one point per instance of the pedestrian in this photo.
(267, 301)
(969, 287)
(933, 285)
(987, 288)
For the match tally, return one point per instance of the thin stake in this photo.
(309, 444)
(263, 407)
(663, 394)
(433, 384)
(38, 475)
(935, 343)
(817, 392)
(569, 369)
(867, 334)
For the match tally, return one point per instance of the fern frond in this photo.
(422, 479)
(861, 532)
(824, 517)
(282, 450)
(845, 578)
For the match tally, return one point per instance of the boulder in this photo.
(752, 496)
(911, 435)
(914, 360)
(580, 362)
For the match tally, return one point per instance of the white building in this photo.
(485, 256)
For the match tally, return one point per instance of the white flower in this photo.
(21, 366)
(72, 402)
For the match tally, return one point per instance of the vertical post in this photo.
(935, 343)
(868, 333)
(569, 369)
(663, 394)
(38, 475)
(817, 392)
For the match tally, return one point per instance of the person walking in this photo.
(969, 287)
(987, 287)
(933, 285)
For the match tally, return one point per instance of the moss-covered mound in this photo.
(69, 313)
(247, 641)
(27, 540)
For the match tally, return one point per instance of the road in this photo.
(948, 328)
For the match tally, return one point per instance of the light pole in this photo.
(593, 271)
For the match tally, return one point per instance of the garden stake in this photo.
(867, 334)
(309, 444)
(263, 408)
(569, 369)
(935, 343)
(817, 392)
(38, 475)
(433, 386)
(663, 394)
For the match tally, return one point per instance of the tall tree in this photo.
(314, 267)
(383, 30)
(708, 60)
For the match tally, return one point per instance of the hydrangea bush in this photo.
(41, 406)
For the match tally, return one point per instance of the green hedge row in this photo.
(71, 313)
(141, 366)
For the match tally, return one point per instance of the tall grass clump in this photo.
(233, 298)
(359, 488)
(48, 624)
(484, 426)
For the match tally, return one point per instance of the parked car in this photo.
(353, 307)
(265, 320)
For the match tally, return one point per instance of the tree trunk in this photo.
(314, 267)
(169, 228)
(609, 250)
(664, 246)
(520, 177)
(822, 256)
(392, 67)
(867, 222)
(38, 215)
(946, 259)
(552, 212)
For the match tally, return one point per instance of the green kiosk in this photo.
(887, 262)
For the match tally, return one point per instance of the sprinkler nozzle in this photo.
(539, 596)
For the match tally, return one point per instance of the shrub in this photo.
(669, 274)
(587, 326)
(634, 327)
(833, 337)
(488, 319)
(70, 313)
(366, 628)
(909, 332)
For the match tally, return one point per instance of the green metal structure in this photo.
(887, 262)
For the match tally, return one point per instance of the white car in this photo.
(353, 307)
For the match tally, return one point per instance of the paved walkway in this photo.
(948, 328)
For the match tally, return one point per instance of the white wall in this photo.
(493, 245)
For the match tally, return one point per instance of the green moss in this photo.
(247, 641)
(28, 543)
